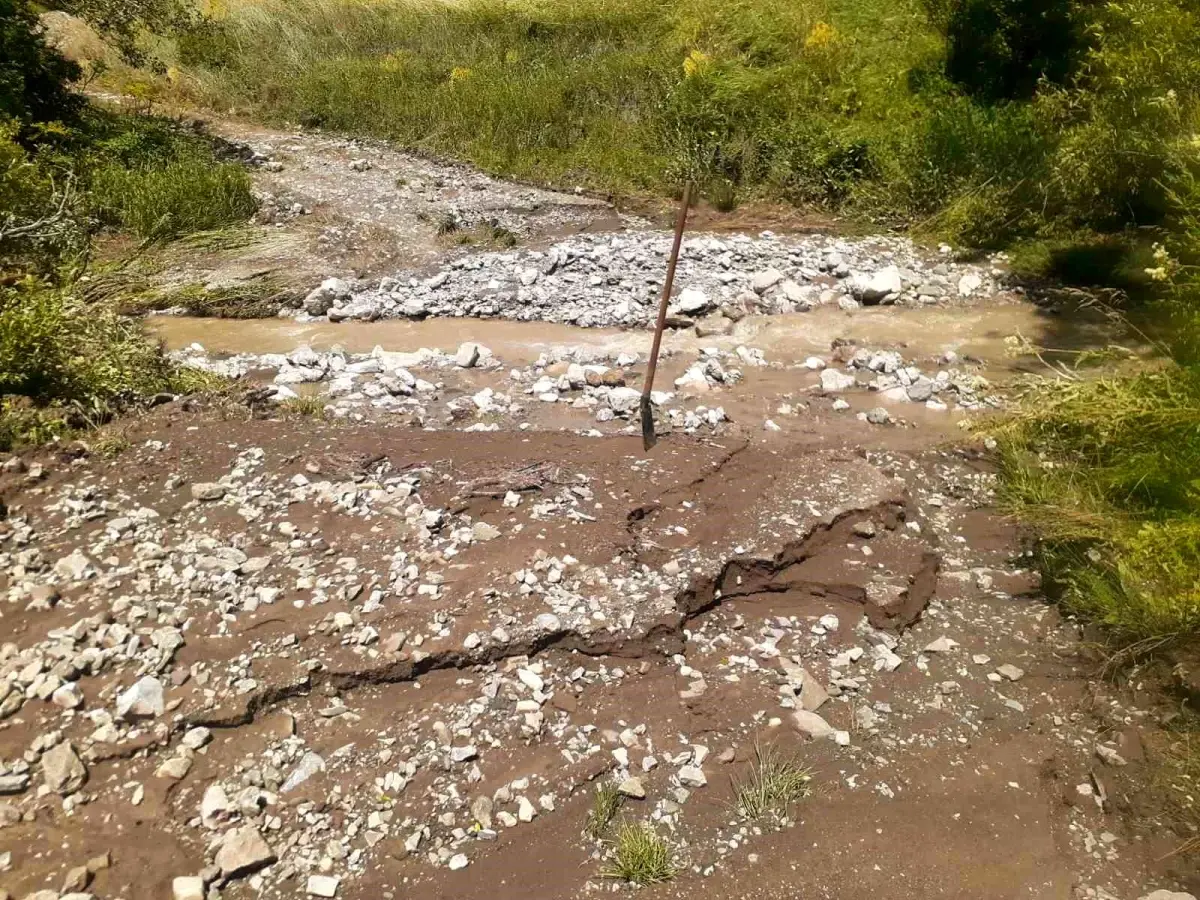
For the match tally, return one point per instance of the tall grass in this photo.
(849, 104)
(168, 200)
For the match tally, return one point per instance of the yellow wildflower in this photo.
(697, 63)
(821, 36)
(459, 73)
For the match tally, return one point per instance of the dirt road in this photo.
(394, 651)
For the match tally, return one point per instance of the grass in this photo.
(68, 359)
(856, 105)
(605, 805)
(1104, 471)
(639, 855)
(776, 782)
(309, 407)
(187, 194)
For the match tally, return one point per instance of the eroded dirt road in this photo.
(395, 651)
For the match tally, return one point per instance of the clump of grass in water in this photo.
(775, 783)
(605, 805)
(639, 855)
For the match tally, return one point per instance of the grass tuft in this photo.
(775, 783)
(605, 805)
(309, 406)
(639, 855)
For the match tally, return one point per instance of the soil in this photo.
(658, 598)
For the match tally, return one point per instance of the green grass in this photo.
(605, 804)
(639, 855)
(776, 782)
(160, 201)
(307, 407)
(847, 104)
(1105, 472)
(66, 364)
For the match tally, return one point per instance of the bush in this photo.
(1004, 49)
(65, 363)
(33, 77)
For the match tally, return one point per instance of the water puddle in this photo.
(982, 332)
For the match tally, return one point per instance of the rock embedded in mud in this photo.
(878, 416)
(1011, 672)
(467, 356)
(143, 700)
(208, 491)
(1168, 895)
(632, 787)
(188, 887)
(63, 770)
(811, 724)
(692, 776)
(834, 381)
(322, 886)
(243, 851)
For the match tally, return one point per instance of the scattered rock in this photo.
(322, 886)
(1011, 672)
(208, 491)
(143, 700)
(632, 787)
(62, 769)
(188, 887)
(243, 851)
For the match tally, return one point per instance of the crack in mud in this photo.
(739, 577)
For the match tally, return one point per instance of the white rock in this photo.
(467, 355)
(526, 812)
(188, 887)
(834, 381)
(941, 645)
(877, 286)
(142, 700)
(811, 724)
(692, 776)
(322, 886)
(531, 679)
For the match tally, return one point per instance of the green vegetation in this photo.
(775, 783)
(639, 855)
(67, 359)
(1000, 119)
(605, 805)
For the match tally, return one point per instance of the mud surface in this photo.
(394, 648)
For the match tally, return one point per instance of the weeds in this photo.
(775, 783)
(639, 855)
(1104, 471)
(186, 195)
(309, 406)
(605, 805)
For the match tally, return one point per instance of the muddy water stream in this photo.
(980, 332)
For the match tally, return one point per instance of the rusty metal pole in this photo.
(649, 438)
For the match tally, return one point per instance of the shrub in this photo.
(1003, 49)
(33, 77)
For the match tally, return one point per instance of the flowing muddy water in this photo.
(981, 332)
